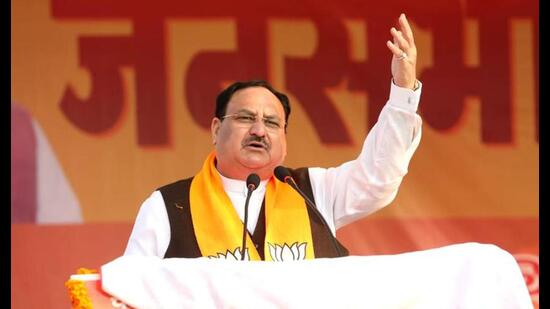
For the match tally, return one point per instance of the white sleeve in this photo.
(360, 187)
(151, 233)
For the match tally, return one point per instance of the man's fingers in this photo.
(406, 28)
(399, 39)
(394, 49)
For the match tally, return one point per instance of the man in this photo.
(203, 216)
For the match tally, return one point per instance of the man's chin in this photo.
(256, 161)
(256, 164)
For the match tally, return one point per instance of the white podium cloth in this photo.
(469, 275)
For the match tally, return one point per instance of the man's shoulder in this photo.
(176, 185)
(300, 174)
(298, 170)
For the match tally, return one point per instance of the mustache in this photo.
(257, 139)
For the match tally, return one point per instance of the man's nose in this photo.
(258, 128)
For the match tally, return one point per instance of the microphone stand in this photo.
(248, 195)
(252, 182)
(311, 205)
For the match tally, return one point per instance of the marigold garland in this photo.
(78, 292)
(85, 271)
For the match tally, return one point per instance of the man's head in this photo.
(249, 129)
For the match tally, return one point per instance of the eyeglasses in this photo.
(250, 119)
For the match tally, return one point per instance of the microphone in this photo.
(252, 182)
(283, 174)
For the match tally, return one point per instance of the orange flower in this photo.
(78, 294)
(84, 271)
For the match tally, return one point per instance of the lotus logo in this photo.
(234, 255)
(294, 252)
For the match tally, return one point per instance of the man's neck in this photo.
(242, 175)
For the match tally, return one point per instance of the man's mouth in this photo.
(258, 145)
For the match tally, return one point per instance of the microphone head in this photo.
(282, 173)
(252, 181)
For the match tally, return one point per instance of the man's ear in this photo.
(214, 128)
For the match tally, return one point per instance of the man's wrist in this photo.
(405, 98)
(415, 86)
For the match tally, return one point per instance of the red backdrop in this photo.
(111, 100)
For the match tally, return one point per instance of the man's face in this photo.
(252, 137)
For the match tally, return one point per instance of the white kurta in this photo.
(342, 194)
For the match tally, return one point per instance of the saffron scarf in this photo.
(218, 228)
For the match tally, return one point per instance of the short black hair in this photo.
(223, 98)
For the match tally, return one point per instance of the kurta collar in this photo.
(239, 186)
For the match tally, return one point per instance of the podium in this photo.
(469, 275)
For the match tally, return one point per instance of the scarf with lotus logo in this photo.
(219, 229)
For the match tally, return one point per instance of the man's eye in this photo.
(272, 124)
(246, 119)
